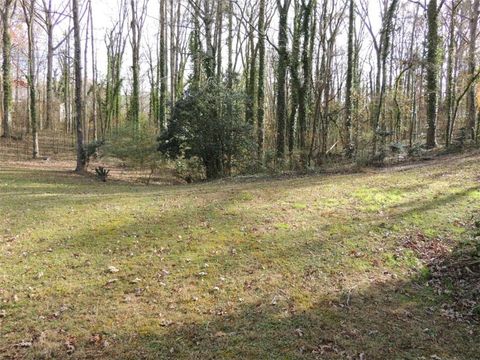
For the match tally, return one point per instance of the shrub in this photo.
(102, 173)
(207, 124)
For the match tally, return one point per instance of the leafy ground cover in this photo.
(356, 266)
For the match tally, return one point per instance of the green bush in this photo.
(207, 124)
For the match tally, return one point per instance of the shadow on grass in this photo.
(394, 320)
(388, 319)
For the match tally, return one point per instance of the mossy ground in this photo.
(301, 268)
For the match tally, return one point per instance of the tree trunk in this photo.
(281, 77)
(162, 65)
(449, 97)
(135, 99)
(471, 99)
(6, 13)
(348, 145)
(295, 86)
(94, 75)
(432, 73)
(304, 98)
(29, 12)
(49, 105)
(81, 155)
(137, 22)
(261, 80)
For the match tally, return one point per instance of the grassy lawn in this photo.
(320, 267)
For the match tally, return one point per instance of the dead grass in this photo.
(319, 267)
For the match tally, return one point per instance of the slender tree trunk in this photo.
(6, 13)
(81, 155)
(304, 98)
(219, 28)
(381, 82)
(135, 100)
(85, 120)
(138, 12)
(209, 60)
(295, 85)
(348, 143)
(449, 97)
(250, 82)
(49, 105)
(281, 78)
(29, 12)
(94, 75)
(432, 73)
(261, 80)
(471, 99)
(162, 66)
(195, 47)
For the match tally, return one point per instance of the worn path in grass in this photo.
(305, 268)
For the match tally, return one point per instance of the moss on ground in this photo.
(301, 268)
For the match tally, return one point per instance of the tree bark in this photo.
(6, 13)
(29, 12)
(281, 77)
(348, 143)
(49, 28)
(77, 59)
(261, 80)
(432, 73)
(449, 96)
(162, 66)
(471, 99)
(304, 98)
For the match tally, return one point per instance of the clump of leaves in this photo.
(457, 274)
(102, 173)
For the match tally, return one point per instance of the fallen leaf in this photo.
(24, 344)
(112, 269)
(299, 332)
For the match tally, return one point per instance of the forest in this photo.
(239, 179)
(235, 87)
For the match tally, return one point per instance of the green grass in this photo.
(285, 269)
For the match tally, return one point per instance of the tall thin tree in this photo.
(79, 107)
(6, 14)
(28, 7)
(281, 109)
(432, 72)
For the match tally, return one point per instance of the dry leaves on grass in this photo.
(455, 275)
